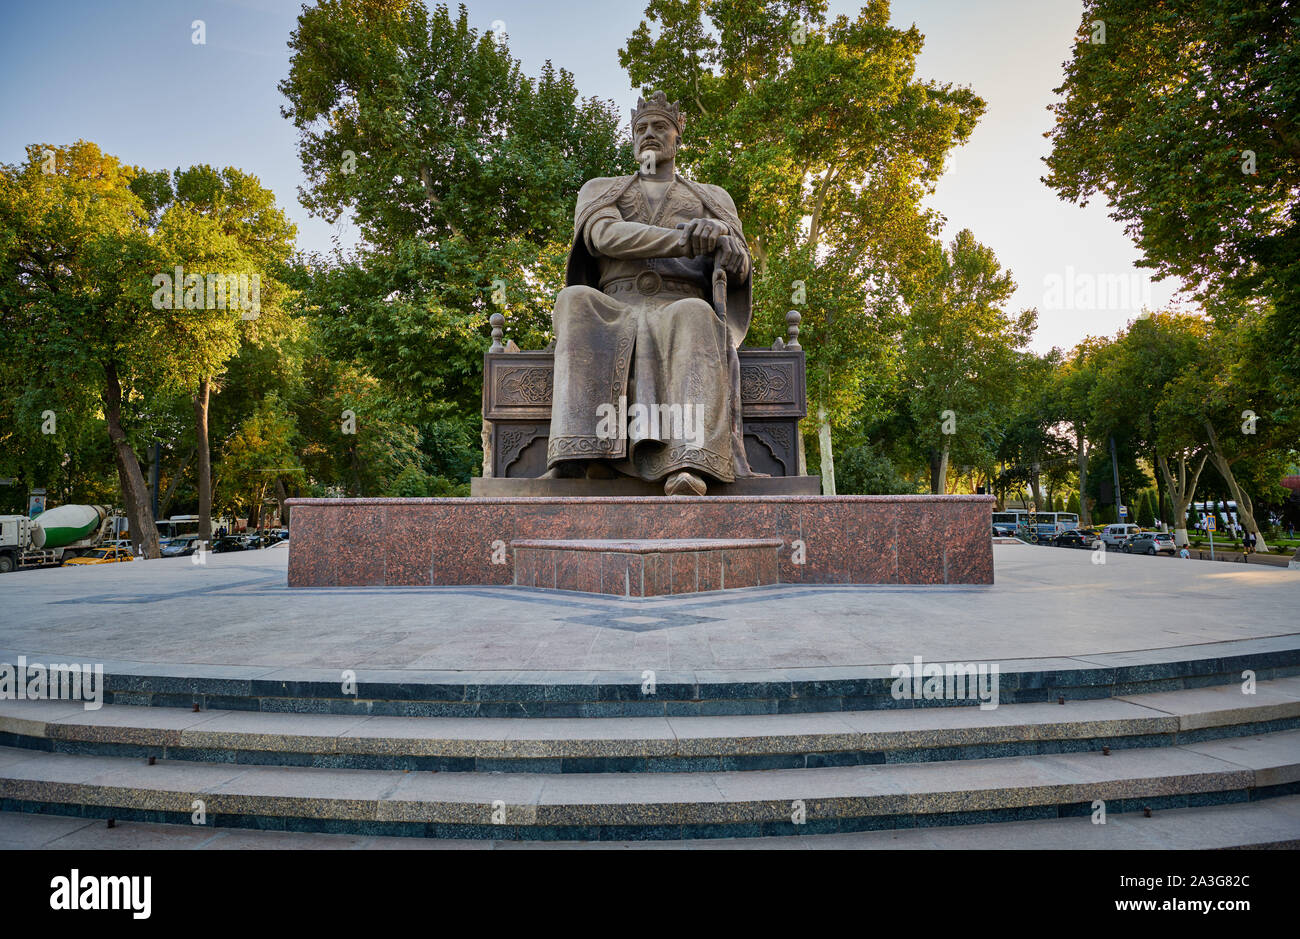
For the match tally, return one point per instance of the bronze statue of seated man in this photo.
(647, 377)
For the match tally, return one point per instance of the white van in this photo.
(1116, 535)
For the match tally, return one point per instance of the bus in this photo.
(1006, 522)
(1045, 525)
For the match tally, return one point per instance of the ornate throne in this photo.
(517, 415)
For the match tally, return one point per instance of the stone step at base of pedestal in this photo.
(1265, 823)
(654, 806)
(668, 692)
(648, 567)
(652, 744)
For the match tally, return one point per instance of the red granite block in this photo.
(576, 570)
(468, 533)
(311, 564)
(740, 568)
(683, 572)
(769, 568)
(615, 577)
(709, 571)
(656, 573)
(871, 540)
(527, 563)
(408, 544)
(969, 554)
(358, 553)
(636, 575)
(921, 547)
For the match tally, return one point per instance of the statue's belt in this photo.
(652, 283)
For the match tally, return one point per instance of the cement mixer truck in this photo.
(52, 537)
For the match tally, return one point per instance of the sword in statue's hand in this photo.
(719, 287)
(718, 281)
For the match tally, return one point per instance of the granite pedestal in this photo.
(823, 539)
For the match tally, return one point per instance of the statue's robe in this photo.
(615, 336)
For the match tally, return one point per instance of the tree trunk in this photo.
(135, 495)
(939, 470)
(826, 453)
(255, 510)
(356, 469)
(1181, 491)
(1160, 494)
(1085, 517)
(1245, 508)
(1036, 486)
(205, 459)
(177, 476)
(281, 495)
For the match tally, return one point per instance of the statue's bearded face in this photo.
(657, 134)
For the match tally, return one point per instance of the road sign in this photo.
(1211, 523)
(1123, 511)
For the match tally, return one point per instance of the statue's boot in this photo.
(566, 469)
(685, 483)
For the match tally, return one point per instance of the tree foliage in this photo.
(460, 173)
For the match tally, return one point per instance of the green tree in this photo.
(1069, 391)
(75, 263)
(828, 144)
(861, 468)
(216, 225)
(962, 355)
(1146, 516)
(1185, 120)
(361, 438)
(460, 173)
(1244, 411)
(1030, 447)
(261, 452)
(1135, 399)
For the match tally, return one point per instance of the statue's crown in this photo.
(658, 104)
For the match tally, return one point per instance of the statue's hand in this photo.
(733, 257)
(700, 235)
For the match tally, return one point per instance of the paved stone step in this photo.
(646, 567)
(529, 806)
(691, 692)
(662, 744)
(1269, 823)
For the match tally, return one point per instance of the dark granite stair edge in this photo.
(796, 758)
(654, 832)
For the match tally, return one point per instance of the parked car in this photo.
(1074, 538)
(182, 546)
(1004, 529)
(230, 543)
(1150, 542)
(1116, 535)
(109, 555)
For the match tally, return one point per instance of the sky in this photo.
(129, 77)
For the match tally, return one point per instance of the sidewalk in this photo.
(1237, 557)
